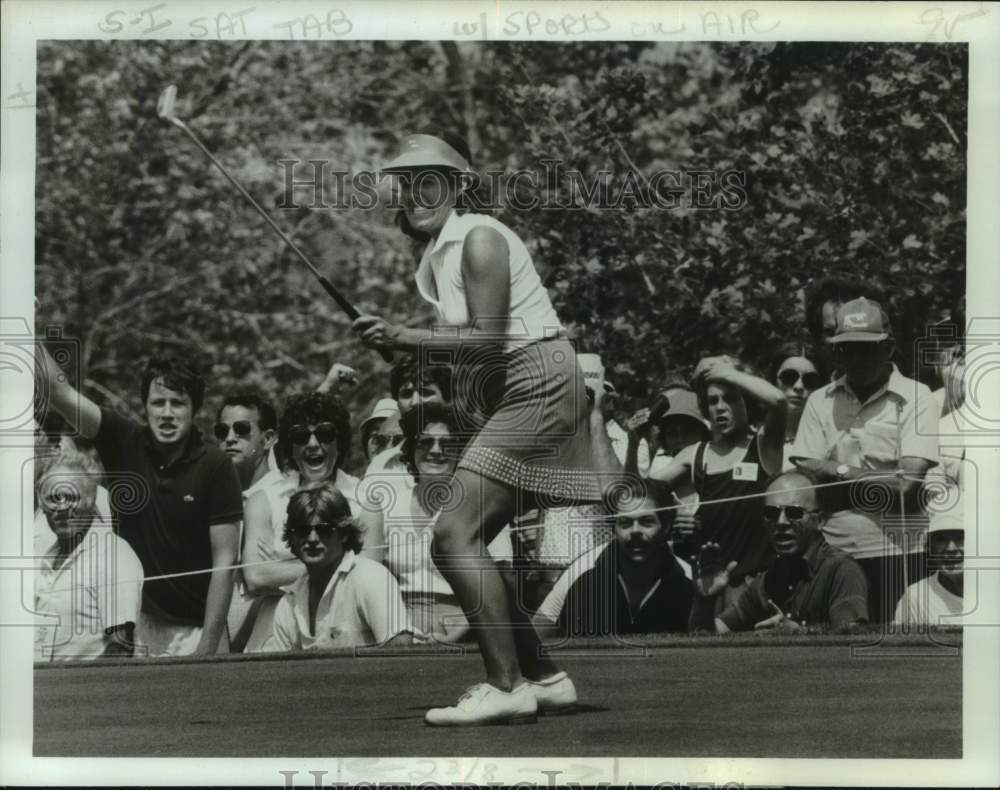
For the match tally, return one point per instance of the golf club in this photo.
(165, 109)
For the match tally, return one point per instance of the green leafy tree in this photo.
(853, 155)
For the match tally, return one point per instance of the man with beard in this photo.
(633, 584)
(182, 511)
(808, 583)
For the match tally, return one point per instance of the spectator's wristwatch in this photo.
(842, 471)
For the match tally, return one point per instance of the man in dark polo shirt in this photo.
(809, 582)
(633, 584)
(177, 502)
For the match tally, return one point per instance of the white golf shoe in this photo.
(555, 695)
(484, 704)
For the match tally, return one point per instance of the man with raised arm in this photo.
(184, 506)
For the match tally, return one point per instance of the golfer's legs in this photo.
(482, 508)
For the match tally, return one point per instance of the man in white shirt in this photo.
(940, 597)
(342, 599)
(877, 429)
(246, 428)
(89, 586)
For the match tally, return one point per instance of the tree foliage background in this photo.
(854, 156)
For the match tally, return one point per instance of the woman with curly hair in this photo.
(342, 599)
(314, 435)
(432, 445)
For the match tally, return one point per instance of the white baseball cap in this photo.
(385, 407)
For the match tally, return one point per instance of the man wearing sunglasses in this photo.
(342, 599)
(874, 426)
(183, 506)
(246, 428)
(808, 583)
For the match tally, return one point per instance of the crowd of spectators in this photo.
(736, 500)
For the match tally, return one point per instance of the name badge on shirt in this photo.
(745, 471)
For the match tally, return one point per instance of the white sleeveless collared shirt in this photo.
(440, 282)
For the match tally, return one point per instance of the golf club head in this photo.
(165, 104)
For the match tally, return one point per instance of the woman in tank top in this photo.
(738, 461)
(519, 393)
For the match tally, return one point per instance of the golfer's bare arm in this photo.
(486, 273)
(82, 414)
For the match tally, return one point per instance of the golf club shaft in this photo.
(336, 295)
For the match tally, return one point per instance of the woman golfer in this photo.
(519, 390)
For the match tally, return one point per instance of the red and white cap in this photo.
(861, 320)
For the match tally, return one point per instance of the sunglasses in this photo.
(241, 428)
(792, 512)
(382, 442)
(789, 378)
(325, 433)
(323, 530)
(450, 446)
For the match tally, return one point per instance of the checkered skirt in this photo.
(529, 412)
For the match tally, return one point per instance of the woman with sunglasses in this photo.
(342, 599)
(431, 448)
(314, 434)
(798, 379)
(517, 387)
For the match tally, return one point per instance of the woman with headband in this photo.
(519, 393)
